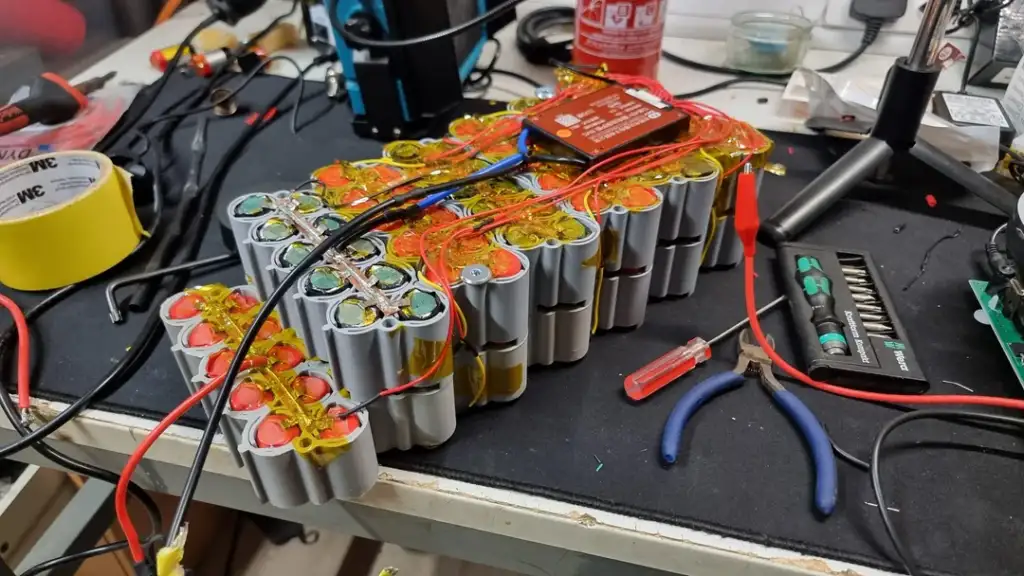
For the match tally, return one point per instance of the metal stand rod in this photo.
(904, 101)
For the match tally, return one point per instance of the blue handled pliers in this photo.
(754, 359)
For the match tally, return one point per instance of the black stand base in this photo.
(903, 103)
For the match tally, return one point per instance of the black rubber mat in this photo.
(743, 470)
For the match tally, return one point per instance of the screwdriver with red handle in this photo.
(677, 362)
(51, 100)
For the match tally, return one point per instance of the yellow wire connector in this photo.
(168, 559)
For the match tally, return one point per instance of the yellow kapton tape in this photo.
(64, 217)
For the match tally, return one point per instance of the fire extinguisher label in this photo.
(620, 30)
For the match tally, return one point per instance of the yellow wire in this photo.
(711, 236)
(600, 263)
(462, 322)
(714, 219)
(483, 381)
(391, 162)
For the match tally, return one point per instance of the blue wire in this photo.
(512, 161)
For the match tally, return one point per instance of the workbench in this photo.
(519, 486)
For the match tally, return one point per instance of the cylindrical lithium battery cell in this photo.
(180, 310)
(360, 358)
(318, 475)
(316, 291)
(561, 335)
(424, 322)
(246, 210)
(265, 237)
(420, 417)
(243, 212)
(504, 377)
(495, 307)
(388, 277)
(204, 338)
(185, 308)
(353, 471)
(284, 259)
(624, 300)
(686, 207)
(675, 269)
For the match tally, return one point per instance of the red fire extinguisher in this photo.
(624, 34)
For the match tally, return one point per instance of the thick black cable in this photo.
(154, 92)
(388, 211)
(728, 83)
(876, 481)
(360, 41)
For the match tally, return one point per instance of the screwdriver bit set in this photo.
(846, 322)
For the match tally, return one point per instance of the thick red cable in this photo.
(24, 355)
(747, 224)
(121, 492)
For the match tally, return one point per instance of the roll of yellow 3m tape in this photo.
(64, 217)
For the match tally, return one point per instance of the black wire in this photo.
(927, 255)
(971, 52)
(388, 211)
(172, 66)
(360, 42)
(517, 76)
(235, 91)
(871, 31)
(876, 481)
(76, 557)
(727, 83)
(147, 338)
(52, 454)
(482, 81)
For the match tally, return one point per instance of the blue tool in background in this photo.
(405, 63)
(754, 359)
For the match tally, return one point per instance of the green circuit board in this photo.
(1009, 338)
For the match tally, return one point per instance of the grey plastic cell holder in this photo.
(635, 234)
(681, 235)
(369, 359)
(289, 479)
(624, 300)
(506, 375)
(560, 335)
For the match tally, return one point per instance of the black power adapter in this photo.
(884, 10)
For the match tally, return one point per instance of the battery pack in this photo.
(871, 350)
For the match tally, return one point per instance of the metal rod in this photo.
(739, 325)
(115, 312)
(930, 33)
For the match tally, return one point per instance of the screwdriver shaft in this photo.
(739, 325)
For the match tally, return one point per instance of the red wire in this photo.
(747, 224)
(121, 493)
(24, 357)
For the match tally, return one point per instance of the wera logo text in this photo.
(42, 164)
(30, 194)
